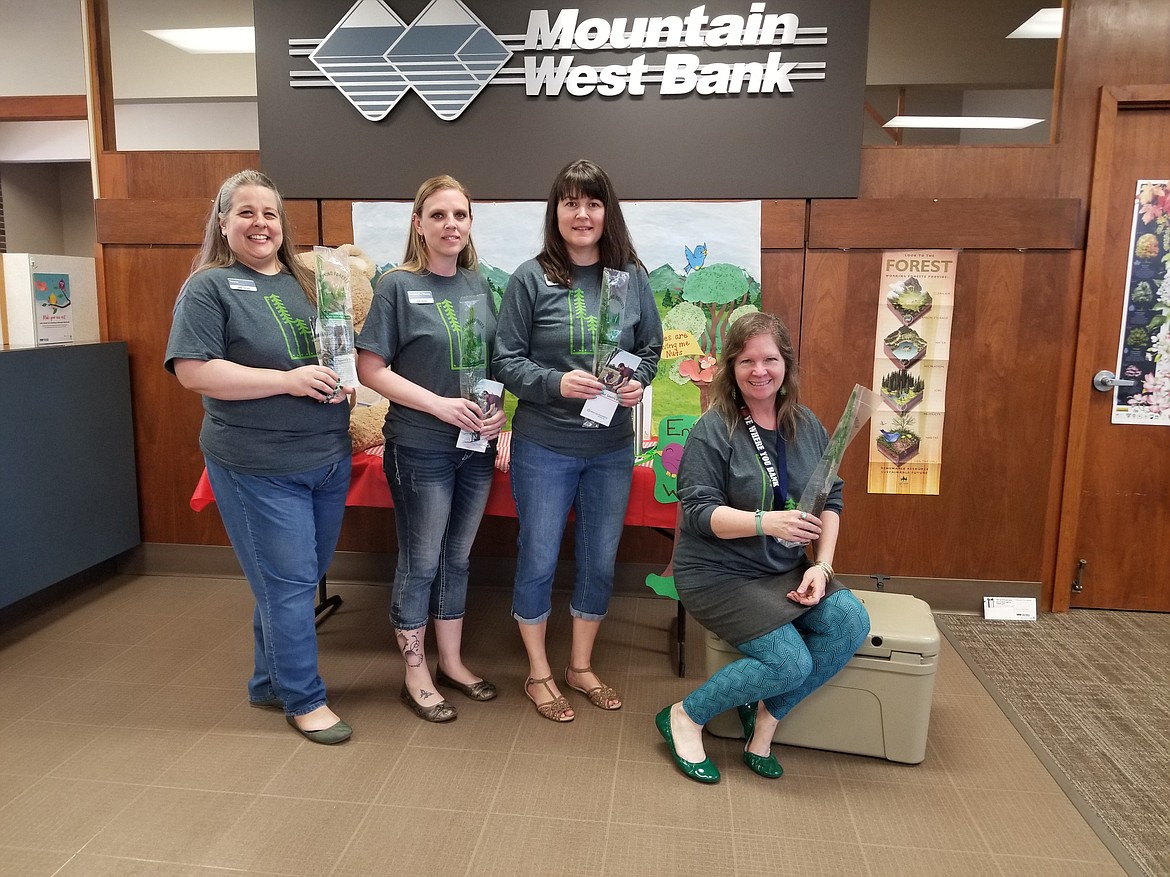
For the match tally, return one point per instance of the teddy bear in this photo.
(368, 416)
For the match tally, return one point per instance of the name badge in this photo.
(420, 297)
(242, 284)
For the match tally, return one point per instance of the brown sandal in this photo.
(602, 697)
(555, 710)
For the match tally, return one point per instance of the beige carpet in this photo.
(1092, 687)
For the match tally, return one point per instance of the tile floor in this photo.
(127, 748)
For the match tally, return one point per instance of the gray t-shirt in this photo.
(416, 324)
(260, 321)
(722, 470)
(547, 330)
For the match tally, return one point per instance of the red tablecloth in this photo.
(367, 487)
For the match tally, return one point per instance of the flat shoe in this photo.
(765, 765)
(602, 696)
(327, 736)
(747, 718)
(482, 690)
(440, 712)
(703, 771)
(555, 710)
(273, 703)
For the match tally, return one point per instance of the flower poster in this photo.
(1143, 349)
(911, 357)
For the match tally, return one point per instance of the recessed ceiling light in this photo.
(210, 40)
(1001, 122)
(1046, 24)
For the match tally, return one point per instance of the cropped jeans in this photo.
(439, 498)
(545, 485)
(284, 530)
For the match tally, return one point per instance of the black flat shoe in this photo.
(482, 690)
(326, 736)
(440, 712)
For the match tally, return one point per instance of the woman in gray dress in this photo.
(745, 465)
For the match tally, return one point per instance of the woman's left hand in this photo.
(492, 425)
(812, 587)
(630, 393)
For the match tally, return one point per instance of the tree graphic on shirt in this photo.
(297, 333)
(582, 325)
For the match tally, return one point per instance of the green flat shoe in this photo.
(765, 765)
(273, 703)
(747, 718)
(703, 771)
(326, 736)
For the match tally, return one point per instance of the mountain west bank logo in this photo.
(448, 56)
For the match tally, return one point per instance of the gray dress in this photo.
(736, 588)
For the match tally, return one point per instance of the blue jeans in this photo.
(439, 498)
(545, 485)
(284, 530)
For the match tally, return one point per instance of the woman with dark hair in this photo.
(744, 467)
(411, 353)
(275, 436)
(561, 460)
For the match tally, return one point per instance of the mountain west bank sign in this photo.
(720, 100)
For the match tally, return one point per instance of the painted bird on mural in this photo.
(695, 257)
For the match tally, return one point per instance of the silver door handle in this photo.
(1105, 381)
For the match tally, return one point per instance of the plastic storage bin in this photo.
(879, 704)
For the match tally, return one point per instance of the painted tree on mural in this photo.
(713, 297)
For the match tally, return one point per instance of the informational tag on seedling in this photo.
(1009, 608)
(489, 396)
(614, 375)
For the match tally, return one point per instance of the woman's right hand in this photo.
(459, 412)
(315, 382)
(579, 384)
(792, 525)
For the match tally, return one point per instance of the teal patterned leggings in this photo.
(782, 667)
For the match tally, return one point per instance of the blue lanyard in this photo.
(777, 474)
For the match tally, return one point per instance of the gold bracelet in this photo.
(827, 568)
(759, 522)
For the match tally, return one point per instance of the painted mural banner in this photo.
(911, 357)
(702, 259)
(1143, 347)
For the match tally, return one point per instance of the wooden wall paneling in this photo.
(337, 223)
(782, 287)
(1008, 380)
(144, 282)
(111, 173)
(975, 223)
(43, 108)
(181, 220)
(1108, 43)
(783, 224)
(167, 175)
(96, 23)
(1023, 171)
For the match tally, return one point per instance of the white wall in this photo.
(41, 47)
(48, 208)
(208, 125)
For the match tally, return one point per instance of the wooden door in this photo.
(1115, 519)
